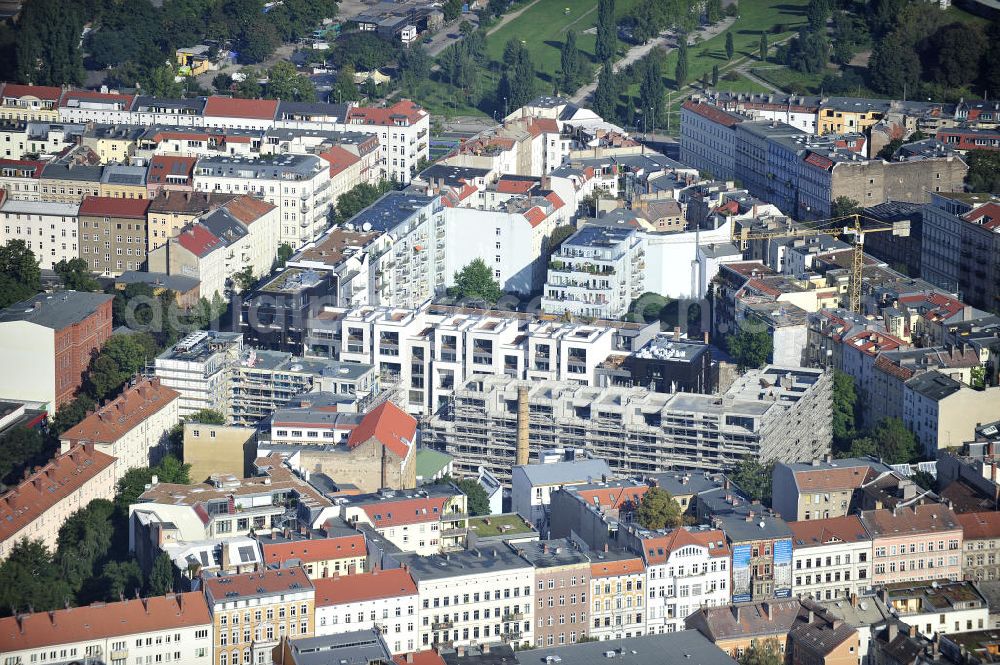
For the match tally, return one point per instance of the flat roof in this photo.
(475, 561)
(687, 646)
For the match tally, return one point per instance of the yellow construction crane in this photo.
(856, 226)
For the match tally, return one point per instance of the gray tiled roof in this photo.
(55, 310)
(686, 646)
(566, 472)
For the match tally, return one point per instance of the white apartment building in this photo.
(382, 599)
(831, 558)
(481, 596)
(511, 239)
(49, 229)
(685, 569)
(198, 368)
(939, 607)
(102, 108)
(132, 428)
(37, 507)
(299, 185)
(175, 628)
(19, 179)
(423, 522)
(533, 484)
(597, 272)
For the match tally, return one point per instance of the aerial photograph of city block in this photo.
(499, 332)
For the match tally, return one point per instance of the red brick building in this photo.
(46, 343)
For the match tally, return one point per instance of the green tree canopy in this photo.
(658, 510)
(843, 206)
(762, 47)
(70, 414)
(478, 501)
(750, 348)
(20, 276)
(47, 43)
(161, 577)
(30, 580)
(681, 70)
(763, 652)
(605, 101)
(133, 483)
(894, 442)
(285, 83)
(76, 275)
(730, 49)
(571, 63)
(360, 197)
(845, 400)
(984, 171)
(607, 31)
(206, 417)
(22, 448)
(754, 478)
(475, 281)
(122, 579)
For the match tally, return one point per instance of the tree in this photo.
(222, 82)
(754, 478)
(121, 357)
(475, 281)
(84, 542)
(415, 65)
(452, 9)
(713, 11)
(478, 501)
(244, 279)
(70, 414)
(605, 102)
(953, 53)
(123, 579)
(47, 43)
(762, 48)
(20, 276)
(845, 400)
(763, 652)
(863, 447)
(345, 89)
(23, 448)
(681, 71)
(161, 577)
(889, 149)
(658, 510)
(715, 76)
(808, 52)
(850, 34)
(924, 480)
(360, 197)
(843, 206)
(651, 86)
(76, 276)
(817, 14)
(517, 86)
(30, 580)
(285, 252)
(750, 348)
(161, 82)
(984, 171)
(133, 483)
(895, 444)
(894, 67)
(607, 31)
(285, 83)
(257, 41)
(206, 417)
(570, 64)
(729, 46)
(249, 86)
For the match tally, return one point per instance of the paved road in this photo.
(666, 39)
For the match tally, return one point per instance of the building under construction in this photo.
(773, 413)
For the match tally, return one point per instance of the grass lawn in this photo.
(954, 14)
(786, 79)
(498, 525)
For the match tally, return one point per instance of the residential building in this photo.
(482, 596)
(385, 600)
(361, 647)
(184, 520)
(67, 180)
(113, 234)
(617, 593)
(666, 364)
(821, 489)
(252, 613)
(762, 553)
(686, 488)
(533, 484)
(423, 521)
(597, 513)
(913, 544)
(686, 568)
(709, 142)
(773, 413)
(332, 552)
(943, 412)
(297, 185)
(199, 367)
(48, 229)
(981, 535)
(832, 558)
(218, 449)
(170, 211)
(30, 102)
(19, 179)
(123, 182)
(596, 272)
(938, 607)
(175, 628)
(649, 650)
(36, 508)
(46, 344)
(132, 428)
(562, 579)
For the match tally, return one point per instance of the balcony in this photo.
(442, 625)
(513, 616)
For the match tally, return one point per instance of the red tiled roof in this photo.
(48, 92)
(339, 159)
(613, 568)
(892, 369)
(227, 587)
(389, 425)
(33, 167)
(555, 200)
(125, 412)
(539, 126)
(197, 239)
(813, 533)
(659, 548)
(406, 511)
(104, 620)
(928, 518)
(109, 206)
(829, 480)
(614, 497)
(978, 526)
(231, 107)
(315, 549)
(819, 161)
(428, 657)
(933, 306)
(64, 475)
(404, 109)
(124, 100)
(160, 166)
(357, 588)
(248, 209)
(989, 214)
(712, 113)
(535, 216)
(515, 185)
